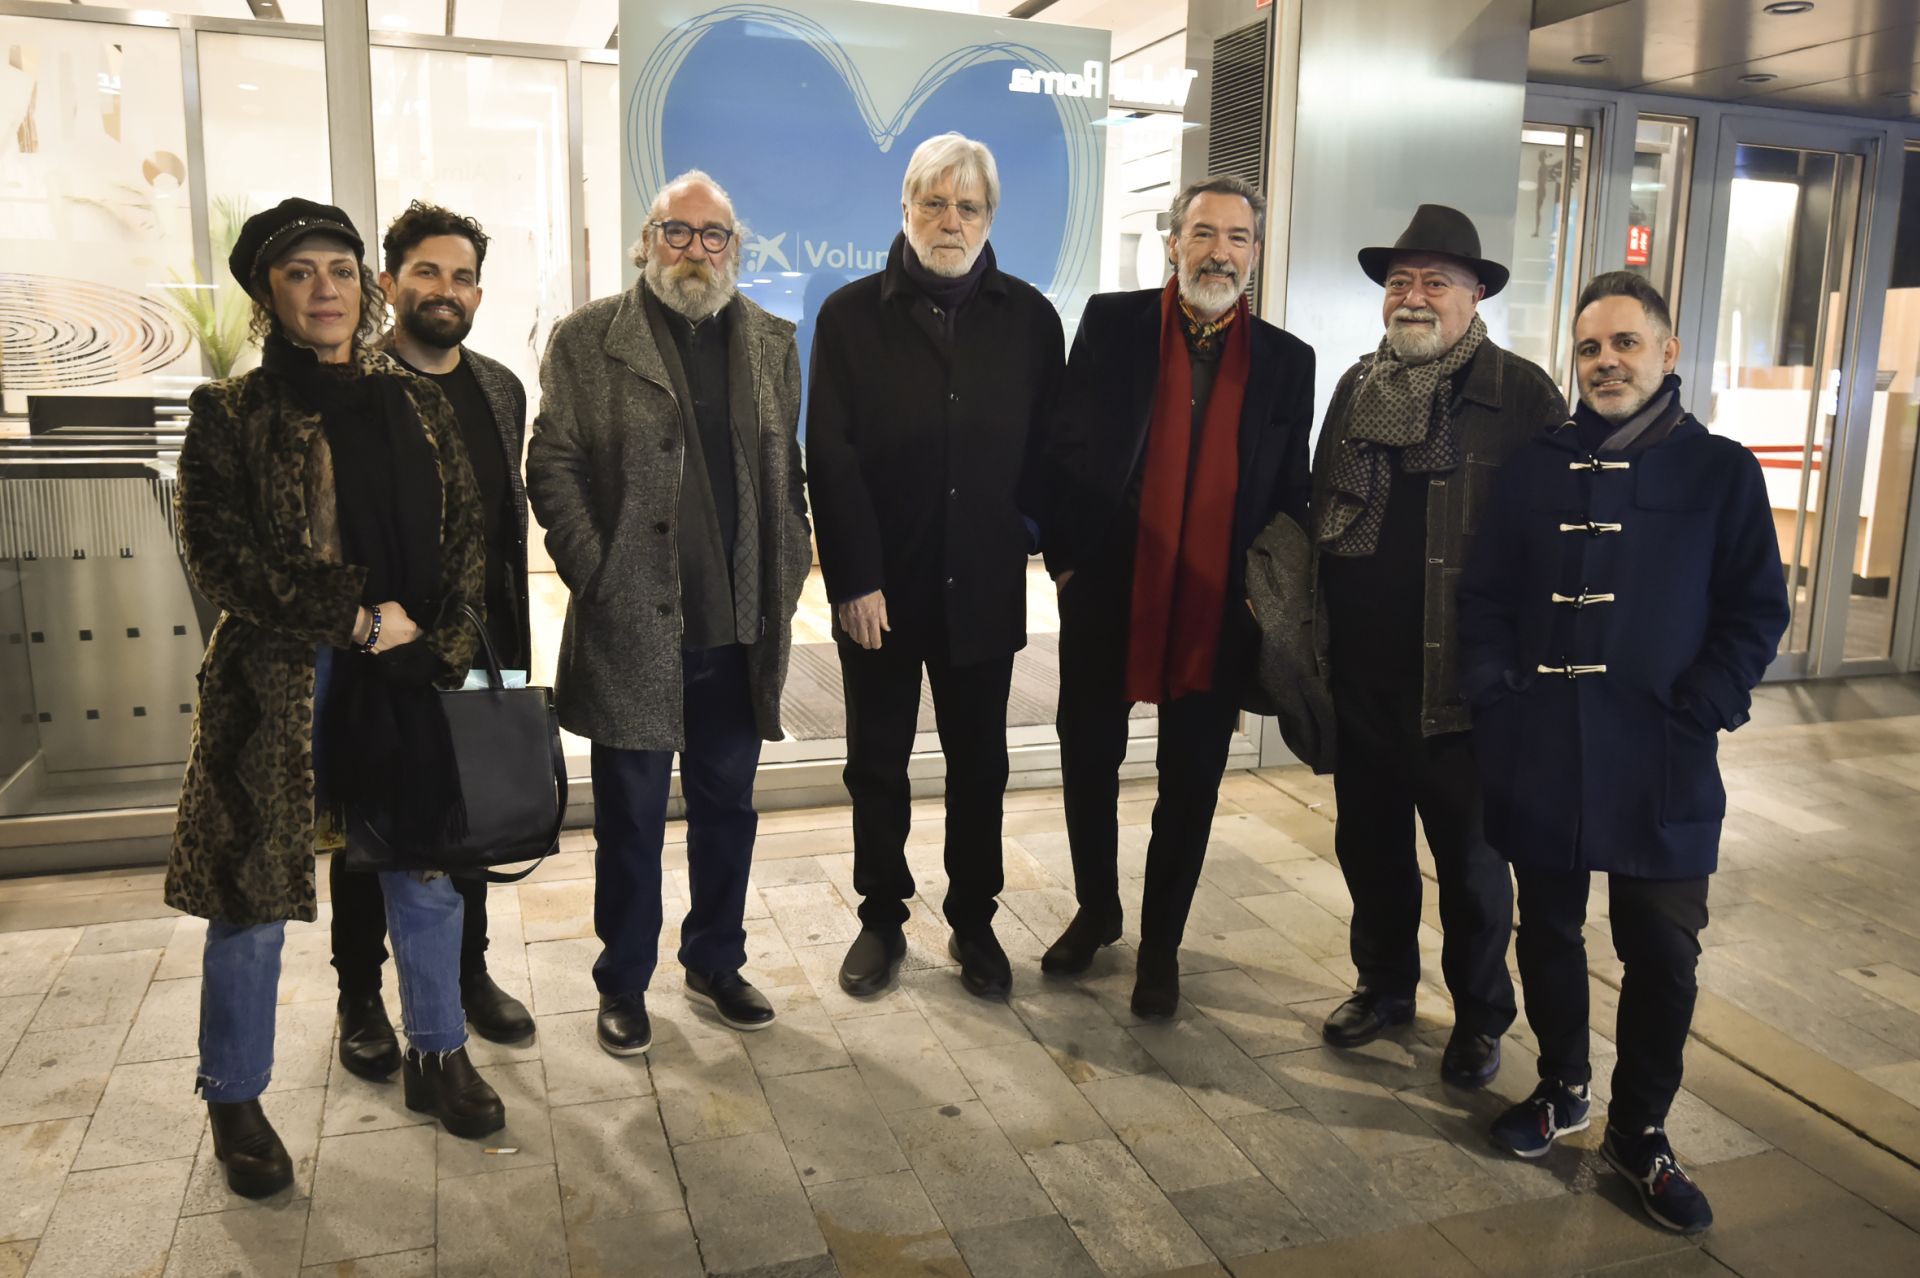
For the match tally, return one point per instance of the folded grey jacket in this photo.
(1289, 682)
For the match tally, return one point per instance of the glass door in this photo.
(1788, 219)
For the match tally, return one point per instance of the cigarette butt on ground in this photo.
(503, 1149)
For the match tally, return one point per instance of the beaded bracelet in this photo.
(373, 634)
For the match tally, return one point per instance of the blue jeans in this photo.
(240, 971)
(630, 824)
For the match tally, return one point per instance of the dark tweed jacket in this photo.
(604, 468)
(255, 500)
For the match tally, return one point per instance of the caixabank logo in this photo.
(807, 112)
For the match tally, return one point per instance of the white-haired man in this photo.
(931, 380)
(665, 467)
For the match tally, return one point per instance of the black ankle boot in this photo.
(1156, 985)
(368, 1045)
(1073, 952)
(257, 1164)
(446, 1085)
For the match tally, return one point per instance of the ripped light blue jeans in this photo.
(240, 968)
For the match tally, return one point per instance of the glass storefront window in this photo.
(600, 176)
(1657, 209)
(487, 137)
(1549, 238)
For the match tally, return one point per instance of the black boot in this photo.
(1156, 985)
(1073, 953)
(446, 1085)
(257, 1164)
(368, 1045)
(494, 1014)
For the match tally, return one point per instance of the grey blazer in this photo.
(604, 468)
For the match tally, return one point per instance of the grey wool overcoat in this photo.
(604, 468)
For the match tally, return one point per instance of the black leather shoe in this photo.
(247, 1146)
(1365, 1017)
(984, 968)
(731, 996)
(1073, 953)
(1156, 985)
(368, 1045)
(623, 1027)
(872, 961)
(495, 1015)
(1471, 1060)
(446, 1085)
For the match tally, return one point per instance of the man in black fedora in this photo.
(1401, 477)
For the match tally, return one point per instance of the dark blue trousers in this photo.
(630, 820)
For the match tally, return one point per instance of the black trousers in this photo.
(1656, 933)
(970, 712)
(1195, 733)
(360, 929)
(1386, 773)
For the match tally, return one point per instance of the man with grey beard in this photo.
(665, 467)
(1181, 434)
(1401, 478)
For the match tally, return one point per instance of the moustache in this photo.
(447, 302)
(1222, 269)
(1416, 314)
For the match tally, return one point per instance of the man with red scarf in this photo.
(1181, 433)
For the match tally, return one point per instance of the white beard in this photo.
(1413, 343)
(942, 264)
(696, 290)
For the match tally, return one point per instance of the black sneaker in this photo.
(1665, 1189)
(1554, 1110)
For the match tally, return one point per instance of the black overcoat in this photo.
(918, 455)
(1617, 769)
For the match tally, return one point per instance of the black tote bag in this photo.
(513, 775)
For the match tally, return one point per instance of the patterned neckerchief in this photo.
(1202, 334)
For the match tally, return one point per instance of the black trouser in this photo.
(1385, 773)
(360, 928)
(1656, 933)
(1195, 732)
(883, 710)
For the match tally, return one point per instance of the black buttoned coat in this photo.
(1656, 571)
(919, 452)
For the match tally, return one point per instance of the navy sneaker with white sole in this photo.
(1666, 1191)
(1554, 1110)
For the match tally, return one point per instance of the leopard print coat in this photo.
(257, 522)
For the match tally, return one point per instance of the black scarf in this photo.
(1653, 423)
(948, 292)
(389, 752)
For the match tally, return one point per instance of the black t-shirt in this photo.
(488, 458)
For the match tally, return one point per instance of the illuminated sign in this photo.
(1639, 245)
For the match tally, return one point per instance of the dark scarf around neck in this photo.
(1653, 423)
(948, 292)
(389, 751)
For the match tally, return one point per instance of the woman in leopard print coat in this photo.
(315, 493)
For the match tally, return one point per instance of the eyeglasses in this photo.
(679, 235)
(936, 208)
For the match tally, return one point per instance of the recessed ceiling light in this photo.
(1758, 77)
(1787, 8)
(248, 88)
(1591, 59)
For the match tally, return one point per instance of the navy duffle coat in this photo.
(1616, 615)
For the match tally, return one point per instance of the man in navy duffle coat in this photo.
(1625, 597)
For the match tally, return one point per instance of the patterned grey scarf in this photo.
(1398, 408)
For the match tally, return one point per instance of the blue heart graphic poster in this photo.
(807, 111)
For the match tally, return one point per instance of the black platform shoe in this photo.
(445, 1085)
(368, 1045)
(258, 1165)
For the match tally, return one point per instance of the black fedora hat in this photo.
(1437, 229)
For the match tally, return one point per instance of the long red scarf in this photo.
(1181, 557)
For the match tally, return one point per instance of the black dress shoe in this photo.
(368, 1045)
(446, 1085)
(1471, 1060)
(495, 1015)
(984, 968)
(872, 961)
(623, 1027)
(1073, 953)
(731, 996)
(1365, 1017)
(247, 1146)
(1156, 985)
